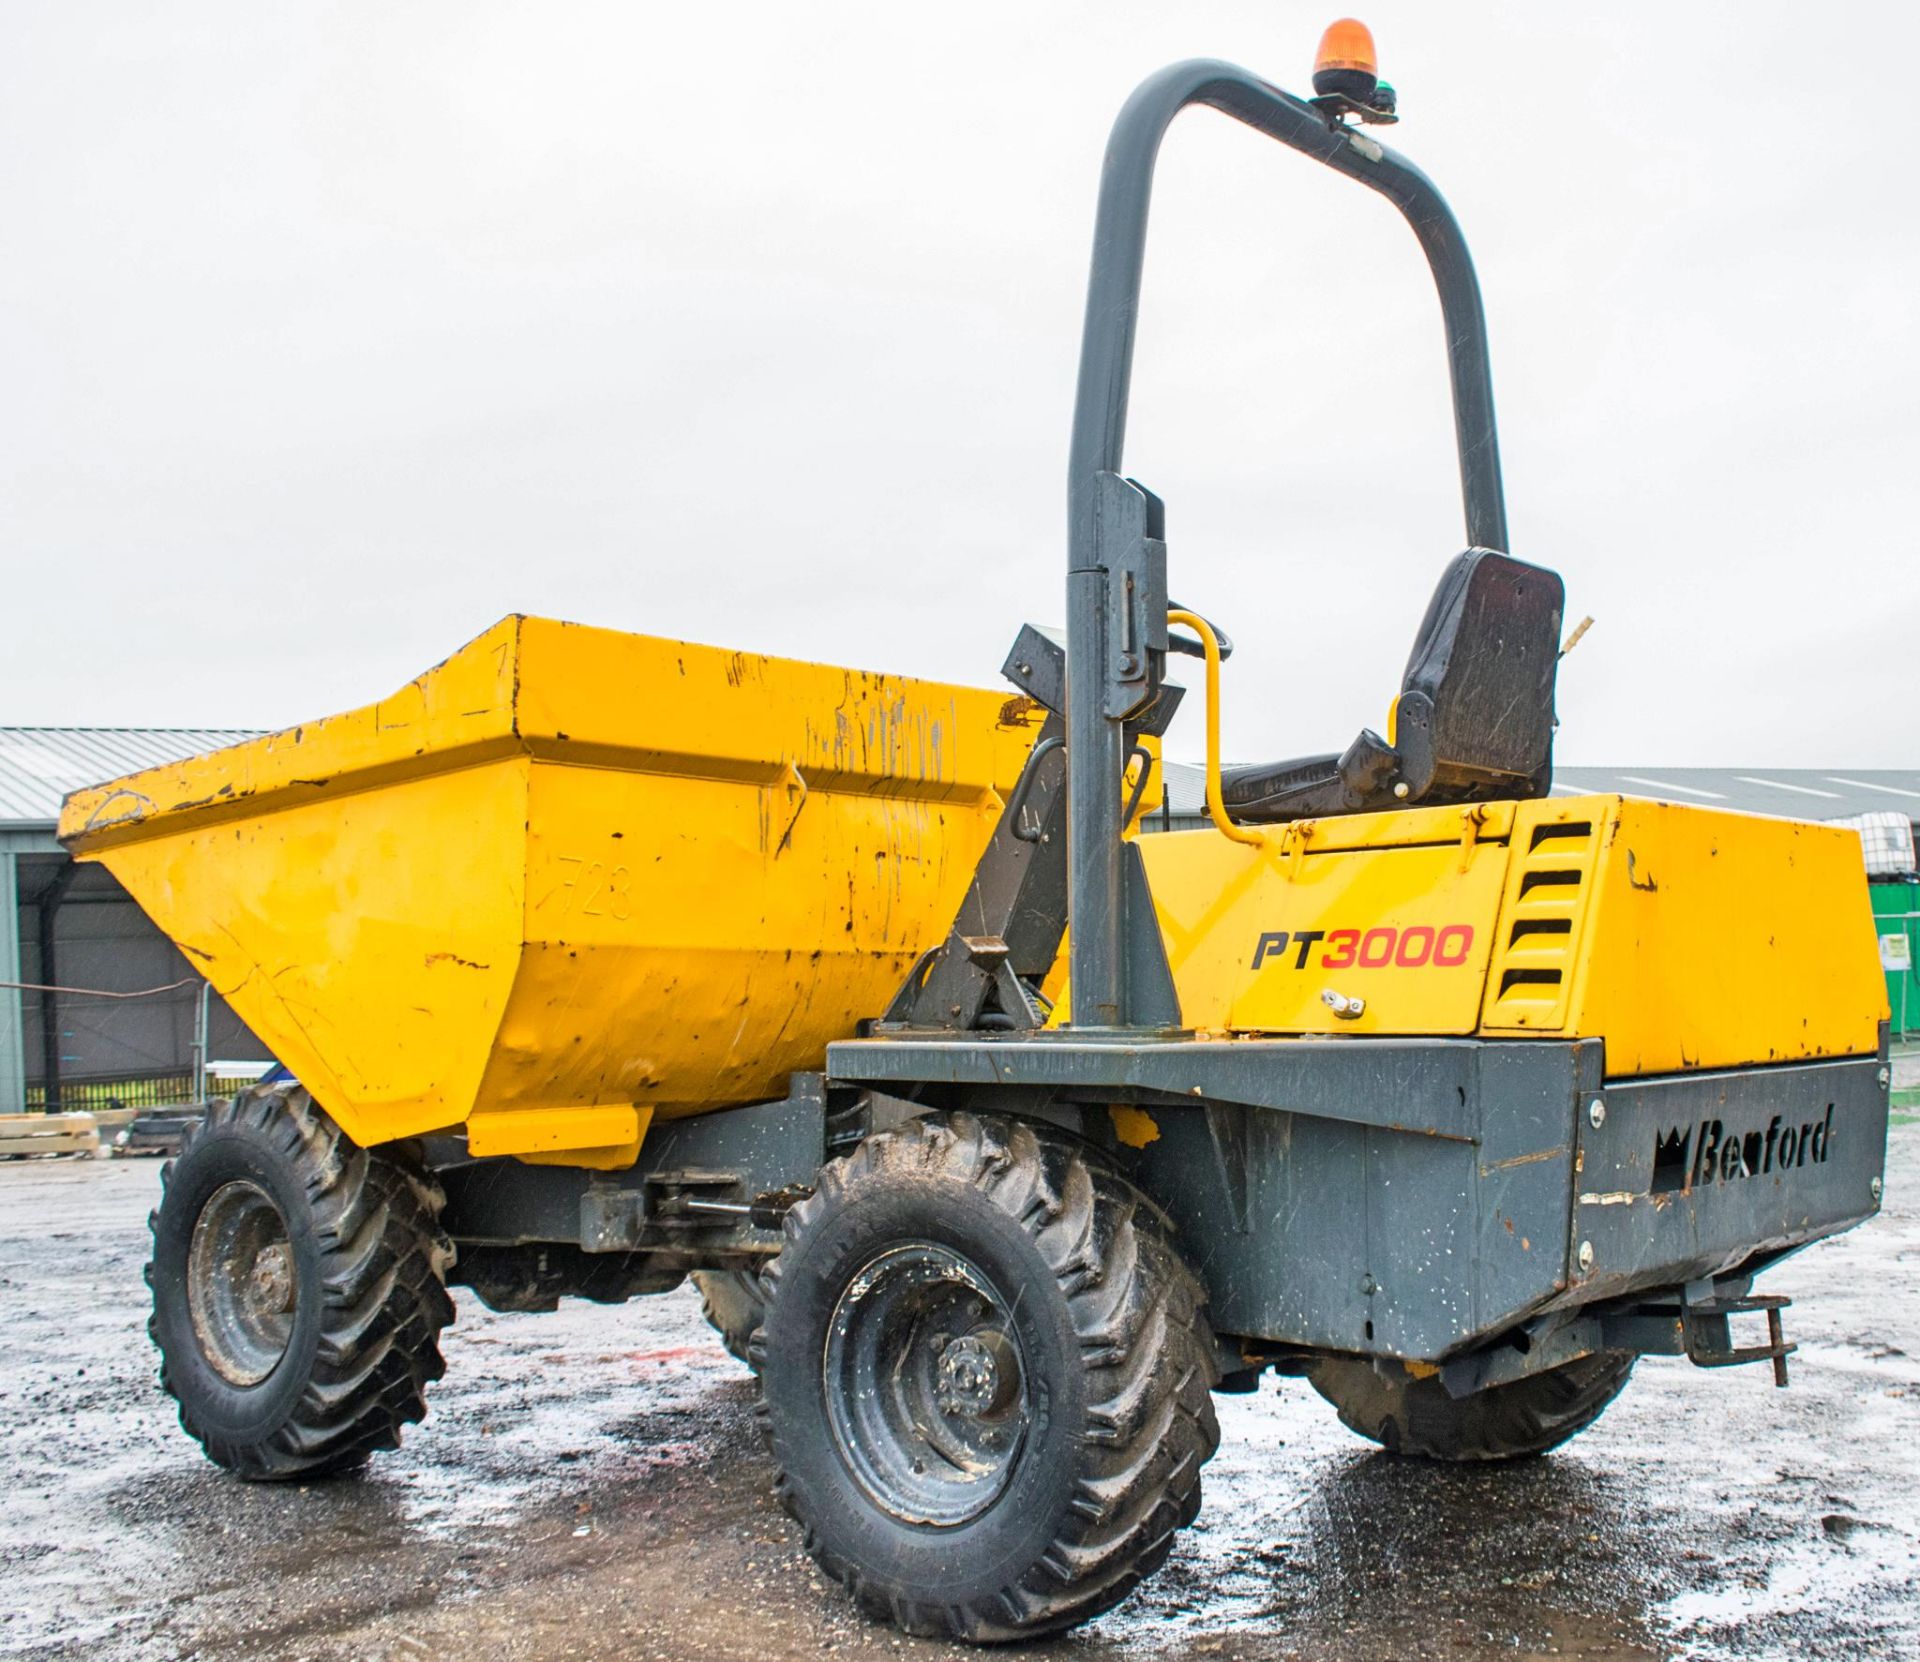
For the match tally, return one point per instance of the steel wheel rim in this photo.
(927, 1385)
(241, 1284)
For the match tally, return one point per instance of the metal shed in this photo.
(67, 926)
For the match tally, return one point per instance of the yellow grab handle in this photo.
(1216, 809)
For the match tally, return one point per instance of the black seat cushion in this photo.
(1312, 785)
(1483, 665)
(1474, 719)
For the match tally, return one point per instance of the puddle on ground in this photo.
(606, 1460)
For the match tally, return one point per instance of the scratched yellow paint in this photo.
(1255, 934)
(569, 872)
(1703, 939)
(1684, 937)
(571, 879)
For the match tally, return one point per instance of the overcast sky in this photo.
(330, 334)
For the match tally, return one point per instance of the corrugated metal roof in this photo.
(1793, 793)
(1186, 789)
(39, 765)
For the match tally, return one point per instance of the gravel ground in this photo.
(589, 1484)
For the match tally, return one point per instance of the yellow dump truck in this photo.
(999, 1135)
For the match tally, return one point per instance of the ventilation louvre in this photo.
(1509, 979)
(1570, 830)
(1548, 879)
(1532, 970)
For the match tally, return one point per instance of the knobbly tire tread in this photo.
(732, 1303)
(381, 1272)
(1138, 1314)
(1507, 1422)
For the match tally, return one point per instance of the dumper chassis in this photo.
(992, 1257)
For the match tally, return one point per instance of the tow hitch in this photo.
(1694, 1321)
(1699, 1318)
(1709, 1337)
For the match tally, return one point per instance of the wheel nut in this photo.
(271, 1279)
(978, 1376)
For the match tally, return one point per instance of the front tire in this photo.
(1405, 1415)
(985, 1379)
(299, 1289)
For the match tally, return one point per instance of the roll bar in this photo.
(1116, 577)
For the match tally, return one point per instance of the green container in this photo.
(1896, 920)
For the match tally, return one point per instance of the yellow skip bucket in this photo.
(569, 878)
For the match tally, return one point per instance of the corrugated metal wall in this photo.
(103, 942)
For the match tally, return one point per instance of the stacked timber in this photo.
(31, 1134)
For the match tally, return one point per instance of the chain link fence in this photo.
(148, 1047)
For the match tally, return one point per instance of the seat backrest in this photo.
(1476, 703)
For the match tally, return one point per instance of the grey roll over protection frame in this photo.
(1116, 564)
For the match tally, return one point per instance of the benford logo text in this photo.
(1685, 1157)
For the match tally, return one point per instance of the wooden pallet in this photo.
(28, 1134)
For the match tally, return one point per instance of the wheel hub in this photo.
(979, 1375)
(242, 1285)
(270, 1286)
(926, 1385)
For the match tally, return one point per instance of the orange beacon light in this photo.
(1346, 63)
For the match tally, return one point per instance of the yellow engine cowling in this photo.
(1684, 937)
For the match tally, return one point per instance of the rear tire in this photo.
(1405, 1415)
(731, 1302)
(299, 1289)
(985, 1379)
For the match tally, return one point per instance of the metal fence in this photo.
(150, 1047)
(149, 1091)
(1903, 996)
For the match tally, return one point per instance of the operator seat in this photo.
(1474, 719)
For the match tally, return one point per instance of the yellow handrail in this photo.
(1216, 809)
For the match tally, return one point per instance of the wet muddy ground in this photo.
(589, 1484)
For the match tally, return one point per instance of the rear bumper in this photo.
(1693, 1175)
